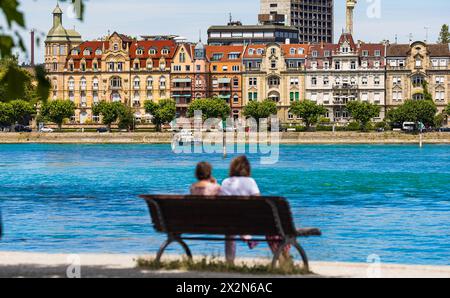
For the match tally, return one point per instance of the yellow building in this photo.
(408, 66)
(277, 72)
(115, 68)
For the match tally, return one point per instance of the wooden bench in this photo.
(178, 216)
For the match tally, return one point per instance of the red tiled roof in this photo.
(254, 47)
(287, 50)
(225, 50)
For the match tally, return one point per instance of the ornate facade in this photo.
(346, 71)
(277, 72)
(409, 66)
(120, 68)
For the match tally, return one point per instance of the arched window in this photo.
(235, 98)
(149, 64)
(98, 52)
(95, 84)
(165, 51)
(149, 83)
(115, 96)
(83, 83)
(418, 80)
(71, 83)
(275, 96)
(75, 52)
(116, 47)
(87, 52)
(152, 51)
(116, 83)
(136, 83)
(418, 96)
(274, 82)
(162, 82)
(140, 51)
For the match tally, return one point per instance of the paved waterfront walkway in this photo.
(17, 264)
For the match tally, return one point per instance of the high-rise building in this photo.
(313, 18)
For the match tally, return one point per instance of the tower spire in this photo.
(350, 6)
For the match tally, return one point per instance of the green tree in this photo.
(110, 112)
(414, 111)
(6, 113)
(126, 118)
(210, 107)
(363, 112)
(260, 109)
(447, 110)
(444, 35)
(439, 119)
(163, 112)
(308, 111)
(58, 110)
(22, 111)
(426, 94)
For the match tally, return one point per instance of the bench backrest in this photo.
(221, 215)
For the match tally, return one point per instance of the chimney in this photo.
(32, 47)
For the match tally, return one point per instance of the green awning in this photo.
(225, 96)
(224, 81)
(181, 80)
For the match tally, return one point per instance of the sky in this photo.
(375, 20)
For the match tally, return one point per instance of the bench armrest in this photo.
(307, 232)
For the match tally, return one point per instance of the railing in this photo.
(345, 86)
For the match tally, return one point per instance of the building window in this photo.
(418, 96)
(236, 68)
(119, 66)
(326, 81)
(353, 65)
(377, 81)
(365, 53)
(252, 96)
(418, 63)
(295, 96)
(314, 81)
(274, 82)
(364, 81)
(152, 51)
(235, 98)
(294, 81)
(337, 65)
(252, 81)
(136, 83)
(235, 82)
(397, 80)
(116, 82)
(418, 81)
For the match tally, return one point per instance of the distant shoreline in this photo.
(306, 138)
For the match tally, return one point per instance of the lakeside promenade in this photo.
(21, 264)
(166, 138)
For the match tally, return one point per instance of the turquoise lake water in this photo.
(393, 201)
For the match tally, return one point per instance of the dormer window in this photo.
(140, 51)
(273, 51)
(260, 51)
(377, 53)
(418, 62)
(345, 50)
(327, 53)
(165, 51)
(292, 51)
(365, 53)
(152, 51)
(301, 51)
(315, 53)
(86, 52)
(98, 52)
(116, 47)
(251, 52)
(75, 52)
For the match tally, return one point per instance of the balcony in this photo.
(136, 87)
(149, 87)
(115, 87)
(83, 87)
(345, 86)
(95, 87)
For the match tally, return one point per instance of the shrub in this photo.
(300, 128)
(353, 126)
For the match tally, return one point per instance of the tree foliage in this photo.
(308, 111)
(163, 112)
(6, 113)
(414, 111)
(444, 35)
(363, 112)
(57, 110)
(210, 107)
(114, 112)
(260, 109)
(16, 111)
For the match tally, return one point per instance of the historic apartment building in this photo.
(346, 71)
(408, 66)
(313, 18)
(277, 72)
(120, 68)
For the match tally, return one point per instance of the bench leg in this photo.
(297, 246)
(277, 254)
(302, 253)
(170, 239)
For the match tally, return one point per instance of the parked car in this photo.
(444, 129)
(409, 126)
(102, 130)
(22, 128)
(46, 130)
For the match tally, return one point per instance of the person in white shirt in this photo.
(239, 184)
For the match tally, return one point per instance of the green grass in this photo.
(214, 265)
